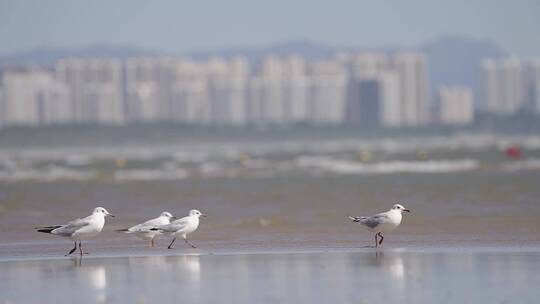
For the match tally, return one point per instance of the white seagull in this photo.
(182, 227)
(80, 229)
(144, 231)
(382, 222)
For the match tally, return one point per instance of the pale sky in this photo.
(181, 26)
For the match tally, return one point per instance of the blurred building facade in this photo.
(95, 87)
(455, 106)
(415, 106)
(509, 86)
(326, 97)
(34, 97)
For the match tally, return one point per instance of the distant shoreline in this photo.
(90, 135)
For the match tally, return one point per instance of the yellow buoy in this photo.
(365, 156)
(244, 158)
(422, 154)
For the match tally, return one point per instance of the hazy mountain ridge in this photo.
(456, 60)
(49, 55)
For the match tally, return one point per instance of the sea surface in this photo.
(278, 228)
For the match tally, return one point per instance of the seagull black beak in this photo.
(204, 215)
(406, 210)
(111, 215)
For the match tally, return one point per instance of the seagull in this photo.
(80, 229)
(382, 222)
(144, 231)
(182, 227)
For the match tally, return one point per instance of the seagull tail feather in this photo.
(355, 219)
(46, 229)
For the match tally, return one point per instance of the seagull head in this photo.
(102, 211)
(196, 213)
(400, 208)
(167, 215)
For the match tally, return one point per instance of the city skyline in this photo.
(233, 92)
(363, 89)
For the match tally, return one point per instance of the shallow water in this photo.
(443, 275)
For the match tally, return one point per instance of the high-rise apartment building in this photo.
(33, 97)
(227, 85)
(503, 86)
(532, 85)
(155, 76)
(96, 89)
(142, 102)
(1, 105)
(489, 95)
(295, 90)
(374, 101)
(327, 92)
(191, 103)
(455, 106)
(415, 107)
(19, 96)
(265, 93)
(363, 65)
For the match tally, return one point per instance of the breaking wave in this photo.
(349, 167)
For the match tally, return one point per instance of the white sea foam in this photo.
(338, 166)
(49, 174)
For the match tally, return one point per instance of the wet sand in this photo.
(485, 274)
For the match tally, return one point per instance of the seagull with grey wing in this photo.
(80, 229)
(383, 222)
(144, 230)
(182, 227)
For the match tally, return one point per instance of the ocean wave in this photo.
(199, 153)
(333, 165)
(49, 174)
